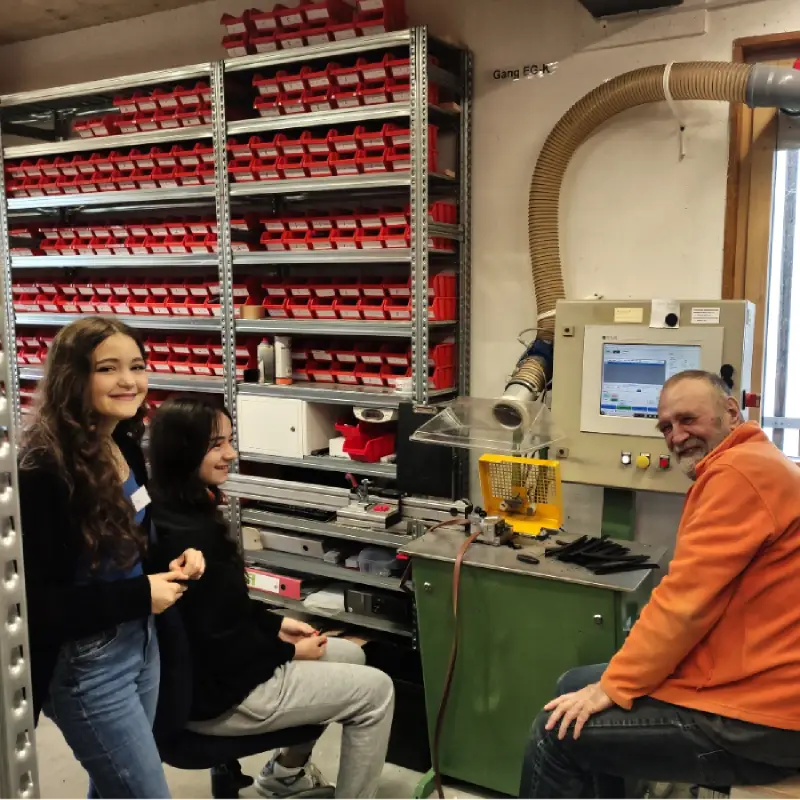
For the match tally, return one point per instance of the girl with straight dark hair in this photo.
(253, 671)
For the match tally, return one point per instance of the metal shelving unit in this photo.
(416, 187)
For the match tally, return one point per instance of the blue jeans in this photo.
(103, 697)
(654, 741)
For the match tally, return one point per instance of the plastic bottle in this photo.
(283, 360)
(265, 355)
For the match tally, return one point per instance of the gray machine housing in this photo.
(594, 446)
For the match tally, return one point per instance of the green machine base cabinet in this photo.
(521, 627)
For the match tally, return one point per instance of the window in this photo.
(762, 242)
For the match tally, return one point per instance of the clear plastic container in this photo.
(378, 561)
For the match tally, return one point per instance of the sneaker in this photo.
(278, 781)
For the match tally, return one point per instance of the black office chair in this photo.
(185, 749)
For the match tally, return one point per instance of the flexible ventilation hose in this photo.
(757, 85)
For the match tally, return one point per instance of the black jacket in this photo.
(59, 610)
(233, 639)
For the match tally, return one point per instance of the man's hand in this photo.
(577, 707)
(293, 631)
(191, 563)
(310, 648)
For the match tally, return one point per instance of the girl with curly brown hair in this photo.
(85, 530)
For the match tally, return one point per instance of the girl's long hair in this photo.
(63, 436)
(180, 435)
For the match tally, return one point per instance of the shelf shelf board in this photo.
(168, 261)
(381, 180)
(402, 330)
(136, 197)
(107, 142)
(284, 604)
(315, 393)
(384, 255)
(339, 116)
(155, 380)
(360, 44)
(377, 255)
(316, 566)
(44, 320)
(330, 530)
(336, 183)
(109, 86)
(326, 464)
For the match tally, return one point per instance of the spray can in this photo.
(265, 355)
(283, 360)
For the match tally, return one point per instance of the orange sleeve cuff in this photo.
(618, 697)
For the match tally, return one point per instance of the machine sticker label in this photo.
(633, 315)
(705, 316)
(526, 71)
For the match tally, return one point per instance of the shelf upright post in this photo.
(227, 311)
(18, 772)
(419, 213)
(465, 252)
(9, 327)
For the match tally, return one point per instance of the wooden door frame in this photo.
(748, 208)
(747, 50)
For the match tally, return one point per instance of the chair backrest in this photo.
(175, 690)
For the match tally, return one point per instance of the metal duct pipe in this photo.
(757, 85)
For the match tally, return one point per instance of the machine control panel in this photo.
(611, 360)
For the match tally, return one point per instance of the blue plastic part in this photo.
(543, 350)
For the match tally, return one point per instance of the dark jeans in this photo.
(654, 741)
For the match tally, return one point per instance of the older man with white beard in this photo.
(706, 688)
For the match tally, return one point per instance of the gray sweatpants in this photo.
(337, 688)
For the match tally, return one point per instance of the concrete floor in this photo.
(61, 776)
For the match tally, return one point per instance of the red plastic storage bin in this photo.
(348, 308)
(292, 167)
(371, 162)
(347, 98)
(267, 86)
(318, 165)
(372, 308)
(237, 44)
(323, 307)
(264, 42)
(266, 169)
(344, 164)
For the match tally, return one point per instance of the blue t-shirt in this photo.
(111, 573)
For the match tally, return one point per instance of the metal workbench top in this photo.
(443, 545)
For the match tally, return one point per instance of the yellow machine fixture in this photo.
(524, 492)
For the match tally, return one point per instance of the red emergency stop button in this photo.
(380, 508)
(663, 462)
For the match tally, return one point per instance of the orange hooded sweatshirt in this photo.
(721, 633)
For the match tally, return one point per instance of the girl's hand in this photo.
(293, 631)
(165, 590)
(191, 563)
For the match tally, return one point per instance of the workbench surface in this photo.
(443, 545)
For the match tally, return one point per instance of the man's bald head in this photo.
(696, 412)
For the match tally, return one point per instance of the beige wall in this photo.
(636, 221)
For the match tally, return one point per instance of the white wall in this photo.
(636, 221)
